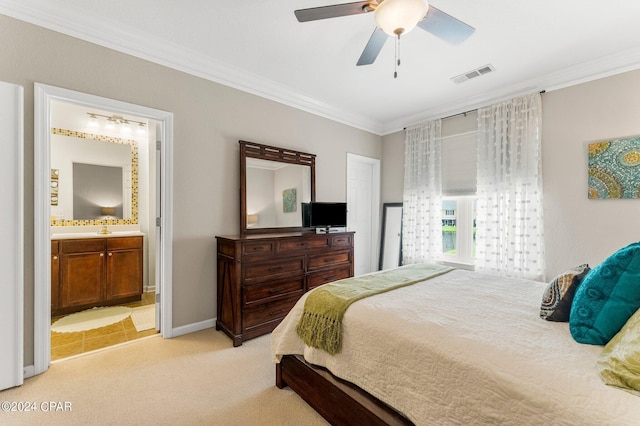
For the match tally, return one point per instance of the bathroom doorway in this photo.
(145, 210)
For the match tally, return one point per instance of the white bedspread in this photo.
(468, 348)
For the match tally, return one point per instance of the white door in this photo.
(11, 236)
(363, 204)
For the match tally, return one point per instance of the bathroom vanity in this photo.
(95, 271)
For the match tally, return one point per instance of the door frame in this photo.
(352, 159)
(43, 95)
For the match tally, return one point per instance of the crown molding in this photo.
(129, 41)
(116, 37)
(602, 67)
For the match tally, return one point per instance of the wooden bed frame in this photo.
(338, 401)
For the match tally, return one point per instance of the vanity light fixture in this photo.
(117, 120)
(93, 120)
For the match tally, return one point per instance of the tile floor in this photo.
(64, 345)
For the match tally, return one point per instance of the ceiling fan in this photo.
(393, 18)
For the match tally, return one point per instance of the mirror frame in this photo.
(133, 144)
(383, 244)
(271, 153)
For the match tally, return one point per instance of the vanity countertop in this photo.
(78, 235)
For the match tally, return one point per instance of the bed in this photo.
(459, 348)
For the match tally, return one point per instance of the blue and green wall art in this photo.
(614, 168)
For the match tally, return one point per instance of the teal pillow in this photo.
(607, 297)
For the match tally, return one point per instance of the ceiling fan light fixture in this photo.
(396, 17)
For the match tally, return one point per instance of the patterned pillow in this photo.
(557, 297)
(607, 297)
(619, 362)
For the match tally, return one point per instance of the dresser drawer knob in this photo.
(330, 260)
(276, 290)
(281, 311)
(275, 269)
(330, 278)
(257, 248)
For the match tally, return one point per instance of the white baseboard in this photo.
(192, 328)
(29, 371)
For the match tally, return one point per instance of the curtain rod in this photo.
(466, 112)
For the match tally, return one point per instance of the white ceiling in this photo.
(259, 47)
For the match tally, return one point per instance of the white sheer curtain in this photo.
(422, 198)
(509, 239)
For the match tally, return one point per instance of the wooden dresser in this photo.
(260, 277)
(88, 272)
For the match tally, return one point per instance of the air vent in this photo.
(473, 74)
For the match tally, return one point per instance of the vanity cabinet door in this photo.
(81, 278)
(95, 272)
(124, 273)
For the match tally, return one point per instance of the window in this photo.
(459, 189)
(459, 229)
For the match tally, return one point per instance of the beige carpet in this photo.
(196, 379)
(90, 319)
(144, 317)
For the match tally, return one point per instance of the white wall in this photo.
(577, 230)
(209, 120)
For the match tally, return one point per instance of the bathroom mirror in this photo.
(273, 184)
(97, 179)
(97, 191)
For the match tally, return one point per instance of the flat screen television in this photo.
(324, 215)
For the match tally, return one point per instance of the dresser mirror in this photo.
(274, 182)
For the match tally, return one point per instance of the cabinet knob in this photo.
(110, 254)
(55, 257)
(101, 254)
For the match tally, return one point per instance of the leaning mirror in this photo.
(391, 240)
(274, 182)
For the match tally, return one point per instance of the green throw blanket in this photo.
(321, 323)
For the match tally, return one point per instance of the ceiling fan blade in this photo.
(445, 26)
(373, 47)
(333, 11)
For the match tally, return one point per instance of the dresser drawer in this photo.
(309, 242)
(342, 241)
(265, 269)
(328, 275)
(268, 312)
(258, 293)
(264, 247)
(322, 260)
